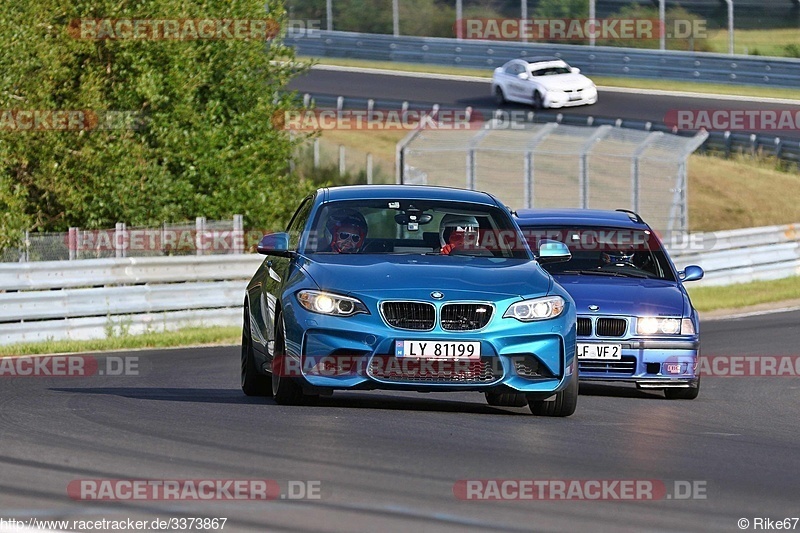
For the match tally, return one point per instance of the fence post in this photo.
(119, 240)
(528, 170)
(199, 228)
(72, 241)
(316, 152)
(238, 234)
(27, 251)
(369, 169)
(342, 167)
(471, 168)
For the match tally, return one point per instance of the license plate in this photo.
(575, 97)
(600, 351)
(438, 349)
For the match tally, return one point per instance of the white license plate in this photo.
(574, 97)
(600, 351)
(438, 349)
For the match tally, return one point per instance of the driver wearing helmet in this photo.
(617, 258)
(348, 230)
(457, 232)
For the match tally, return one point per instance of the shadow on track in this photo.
(360, 400)
(619, 390)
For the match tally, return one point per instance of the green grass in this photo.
(775, 42)
(632, 83)
(744, 294)
(183, 337)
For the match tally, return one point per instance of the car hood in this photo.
(625, 296)
(561, 82)
(398, 274)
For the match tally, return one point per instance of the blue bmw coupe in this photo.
(636, 322)
(408, 288)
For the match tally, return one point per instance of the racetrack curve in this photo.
(389, 461)
(627, 104)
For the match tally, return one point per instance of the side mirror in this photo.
(523, 75)
(274, 244)
(553, 252)
(691, 273)
(575, 70)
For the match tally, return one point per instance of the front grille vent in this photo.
(465, 317)
(419, 316)
(611, 327)
(584, 326)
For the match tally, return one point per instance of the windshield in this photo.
(400, 226)
(604, 251)
(550, 71)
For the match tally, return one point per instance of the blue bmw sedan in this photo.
(636, 322)
(408, 288)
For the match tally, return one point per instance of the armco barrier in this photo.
(743, 255)
(86, 299)
(785, 147)
(599, 60)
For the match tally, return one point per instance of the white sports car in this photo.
(544, 82)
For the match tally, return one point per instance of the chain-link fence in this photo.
(201, 237)
(555, 165)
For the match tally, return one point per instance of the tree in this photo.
(201, 139)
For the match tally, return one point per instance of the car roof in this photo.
(578, 217)
(413, 192)
(543, 59)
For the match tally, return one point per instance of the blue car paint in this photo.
(627, 298)
(377, 278)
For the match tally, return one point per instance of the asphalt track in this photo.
(389, 461)
(453, 93)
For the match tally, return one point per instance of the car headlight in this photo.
(651, 325)
(536, 309)
(326, 303)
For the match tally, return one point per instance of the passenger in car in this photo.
(348, 230)
(457, 232)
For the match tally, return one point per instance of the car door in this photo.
(276, 273)
(520, 86)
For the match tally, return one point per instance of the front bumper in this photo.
(555, 100)
(359, 352)
(656, 363)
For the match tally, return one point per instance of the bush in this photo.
(205, 145)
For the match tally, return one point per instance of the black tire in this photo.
(564, 404)
(254, 383)
(285, 390)
(499, 97)
(538, 102)
(506, 399)
(683, 394)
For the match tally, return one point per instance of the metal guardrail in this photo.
(599, 60)
(727, 143)
(743, 255)
(89, 298)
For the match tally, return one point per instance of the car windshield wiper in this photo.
(618, 274)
